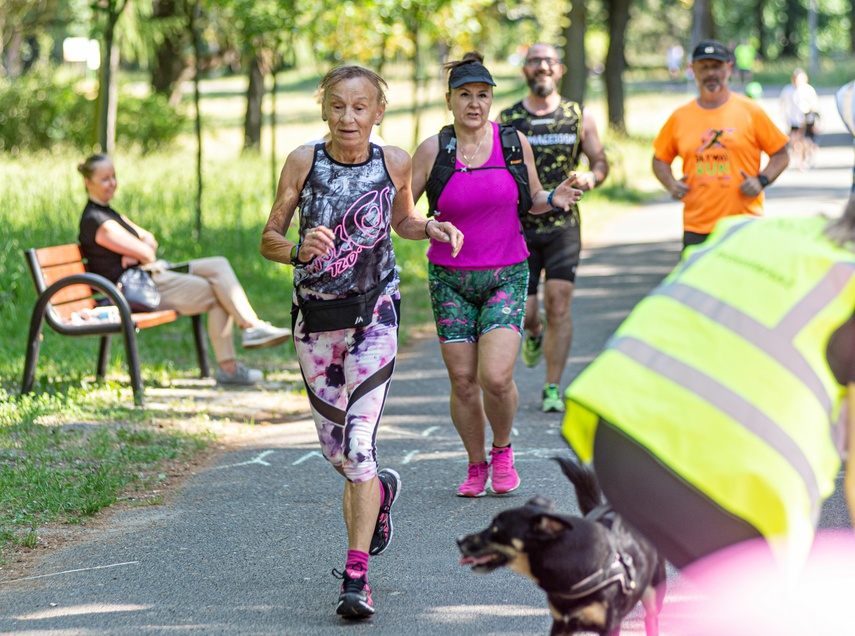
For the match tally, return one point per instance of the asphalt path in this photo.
(247, 546)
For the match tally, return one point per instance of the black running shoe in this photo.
(354, 601)
(391, 482)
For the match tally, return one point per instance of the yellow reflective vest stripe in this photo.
(722, 373)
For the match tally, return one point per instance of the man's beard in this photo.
(541, 89)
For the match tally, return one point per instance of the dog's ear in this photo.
(541, 502)
(548, 526)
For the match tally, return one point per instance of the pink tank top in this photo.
(481, 203)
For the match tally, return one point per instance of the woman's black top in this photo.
(100, 260)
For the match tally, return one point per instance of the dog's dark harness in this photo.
(619, 568)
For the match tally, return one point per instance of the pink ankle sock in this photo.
(356, 561)
(382, 492)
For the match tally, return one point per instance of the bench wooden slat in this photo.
(154, 318)
(59, 255)
(73, 293)
(55, 272)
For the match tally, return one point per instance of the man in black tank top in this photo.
(559, 134)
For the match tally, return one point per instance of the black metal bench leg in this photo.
(33, 344)
(129, 332)
(103, 356)
(201, 346)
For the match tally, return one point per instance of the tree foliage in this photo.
(257, 37)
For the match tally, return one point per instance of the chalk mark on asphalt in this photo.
(258, 459)
(308, 456)
(97, 567)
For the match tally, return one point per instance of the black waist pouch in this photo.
(341, 313)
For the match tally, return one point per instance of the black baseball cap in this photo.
(711, 50)
(468, 73)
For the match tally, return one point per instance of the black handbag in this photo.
(341, 313)
(139, 289)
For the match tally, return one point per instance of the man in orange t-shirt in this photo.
(720, 137)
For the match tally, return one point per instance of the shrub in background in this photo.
(149, 123)
(43, 110)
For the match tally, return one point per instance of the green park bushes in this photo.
(148, 123)
(44, 110)
(40, 110)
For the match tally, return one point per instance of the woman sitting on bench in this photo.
(111, 243)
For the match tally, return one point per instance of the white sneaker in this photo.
(264, 335)
(242, 376)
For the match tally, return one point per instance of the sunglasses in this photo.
(534, 62)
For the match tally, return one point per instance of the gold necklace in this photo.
(466, 159)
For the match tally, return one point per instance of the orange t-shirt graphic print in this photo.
(716, 146)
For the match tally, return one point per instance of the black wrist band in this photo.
(763, 179)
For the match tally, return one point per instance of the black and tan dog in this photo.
(594, 569)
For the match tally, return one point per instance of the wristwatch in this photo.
(763, 179)
(293, 256)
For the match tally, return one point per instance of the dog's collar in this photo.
(619, 568)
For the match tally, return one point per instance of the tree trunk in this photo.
(14, 63)
(852, 26)
(417, 79)
(105, 88)
(169, 62)
(3, 36)
(113, 102)
(615, 63)
(575, 78)
(108, 88)
(794, 13)
(192, 12)
(703, 26)
(381, 67)
(760, 27)
(254, 99)
(274, 168)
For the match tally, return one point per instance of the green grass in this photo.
(67, 473)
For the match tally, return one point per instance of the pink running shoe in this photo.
(505, 477)
(476, 483)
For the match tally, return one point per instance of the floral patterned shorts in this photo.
(468, 303)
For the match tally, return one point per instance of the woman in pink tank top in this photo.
(479, 296)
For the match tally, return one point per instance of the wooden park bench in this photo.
(66, 292)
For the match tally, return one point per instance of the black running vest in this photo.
(445, 166)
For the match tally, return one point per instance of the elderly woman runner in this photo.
(351, 193)
(479, 296)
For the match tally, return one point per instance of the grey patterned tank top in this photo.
(355, 202)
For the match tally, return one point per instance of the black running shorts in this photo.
(556, 252)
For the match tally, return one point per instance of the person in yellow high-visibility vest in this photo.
(718, 411)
